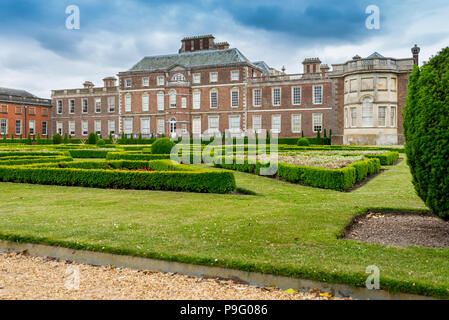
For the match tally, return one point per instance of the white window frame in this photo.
(72, 106)
(235, 103)
(144, 130)
(160, 101)
(294, 96)
(368, 114)
(85, 127)
(110, 127)
(196, 78)
(317, 101)
(111, 104)
(172, 98)
(184, 102)
(209, 122)
(255, 103)
(128, 102)
(18, 133)
(59, 107)
(161, 126)
(384, 124)
(179, 77)
(353, 120)
(274, 98)
(393, 119)
(97, 103)
(5, 121)
(213, 102)
(273, 123)
(213, 77)
(296, 115)
(145, 81)
(145, 102)
(59, 125)
(84, 103)
(196, 129)
(235, 75)
(72, 133)
(128, 125)
(128, 83)
(97, 126)
(32, 127)
(196, 99)
(161, 81)
(232, 128)
(44, 132)
(257, 129)
(314, 124)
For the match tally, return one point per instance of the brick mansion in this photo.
(210, 87)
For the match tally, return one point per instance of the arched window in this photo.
(179, 77)
(172, 95)
(367, 112)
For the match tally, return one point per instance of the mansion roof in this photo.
(191, 59)
(21, 97)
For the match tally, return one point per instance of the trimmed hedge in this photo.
(30, 160)
(335, 179)
(386, 159)
(88, 153)
(135, 156)
(29, 153)
(183, 179)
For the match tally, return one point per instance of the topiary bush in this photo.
(101, 143)
(303, 142)
(92, 138)
(57, 139)
(162, 146)
(426, 130)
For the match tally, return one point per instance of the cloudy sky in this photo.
(40, 54)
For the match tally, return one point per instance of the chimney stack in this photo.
(109, 82)
(311, 66)
(88, 85)
(416, 50)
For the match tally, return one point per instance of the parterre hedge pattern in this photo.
(167, 176)
(386, 159)
(335, 179)
(135, 156)
(88, 153)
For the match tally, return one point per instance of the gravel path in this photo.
(26, 277)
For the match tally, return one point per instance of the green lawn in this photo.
(286, 229)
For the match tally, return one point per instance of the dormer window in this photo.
(179, 77)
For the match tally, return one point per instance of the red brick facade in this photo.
(21, 116)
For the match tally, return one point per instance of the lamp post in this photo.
(25, 124)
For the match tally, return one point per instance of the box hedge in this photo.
(89, 153)
(135, 156)
(32, 160)
(386, 159)
(335, 179)
(174, 178)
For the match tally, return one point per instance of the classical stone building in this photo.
(209, 87)
(23, 114)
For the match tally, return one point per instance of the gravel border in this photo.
(27, 277)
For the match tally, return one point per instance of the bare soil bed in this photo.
(400, 229)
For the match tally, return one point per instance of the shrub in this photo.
(136, 156)
(101, 143)
(386, 159)
(162, 146)
(179, 178)
(88, 154)
(303, 142)
(32, 160)
(57, 139)
(66, 138)
(426, 130)
(92, 138)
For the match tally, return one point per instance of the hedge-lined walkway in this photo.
(286, 229)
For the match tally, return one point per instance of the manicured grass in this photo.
(285, 229)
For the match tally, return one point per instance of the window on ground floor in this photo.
(276, 124)
(317, 122)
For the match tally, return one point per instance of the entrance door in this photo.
(173, 127)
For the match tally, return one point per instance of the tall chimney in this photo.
(416, 50)
(109, 82)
